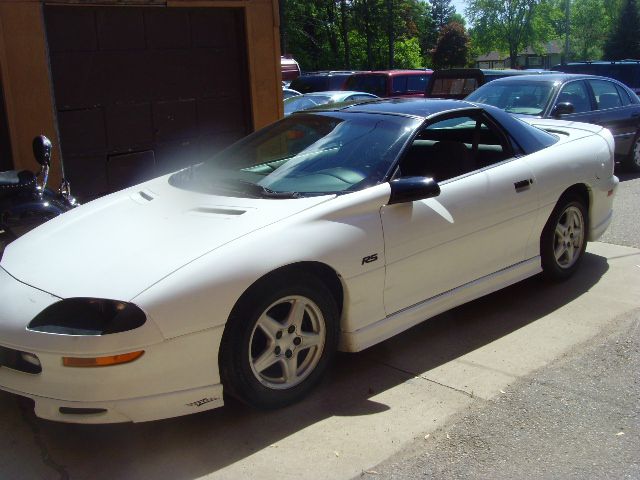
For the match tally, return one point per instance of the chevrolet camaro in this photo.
(328, 230)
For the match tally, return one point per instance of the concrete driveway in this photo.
(370, 405)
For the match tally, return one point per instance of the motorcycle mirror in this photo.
(42, 150)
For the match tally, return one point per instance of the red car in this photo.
(390, 83)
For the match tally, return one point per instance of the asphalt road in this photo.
(576, 418)
(625, 227)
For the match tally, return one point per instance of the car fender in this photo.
(345, 234)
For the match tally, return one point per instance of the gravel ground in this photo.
(577, 418)
(625, 227)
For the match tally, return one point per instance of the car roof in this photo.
(415, 107)
(331, 93)
(550, 77)
(392, 73)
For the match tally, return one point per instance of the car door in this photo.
(579, 95)
(614, 113)
(479, 224)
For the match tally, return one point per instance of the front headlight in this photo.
(88, 316)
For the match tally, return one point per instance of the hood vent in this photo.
(143, 196)
(218, 211)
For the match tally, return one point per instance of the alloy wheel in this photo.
(287, 342)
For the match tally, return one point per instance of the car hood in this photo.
(119, 245)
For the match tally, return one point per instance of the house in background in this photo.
(128, 90)
(550, 55)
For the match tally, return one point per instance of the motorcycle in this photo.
(25, 200)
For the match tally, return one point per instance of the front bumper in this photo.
(142, 409)
(173, 377)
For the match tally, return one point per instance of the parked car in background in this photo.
(625, 71)
(310, 100)
(290, 69)
(390, 83)
(457, 83)
(288, 93)
(580, 98)
(321, 81)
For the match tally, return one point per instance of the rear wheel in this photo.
(633, 160)
(279, 341)
(564, 238)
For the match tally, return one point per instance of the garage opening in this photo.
(142, 91)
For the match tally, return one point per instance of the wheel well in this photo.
(582, 191)
(321, 271)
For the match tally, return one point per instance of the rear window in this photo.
(454, 86)
(375, 84)
(402, 84)
(310, 83)
(336, 82)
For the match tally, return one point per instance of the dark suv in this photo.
(390, 83)
(320, 81)
(625, 71)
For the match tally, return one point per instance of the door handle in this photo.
(635, 115)
(523, 185)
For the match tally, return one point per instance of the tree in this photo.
(452, 47)
(502, 25)
(441, 12)
(408, 54)
(624, 40)
(589, 23)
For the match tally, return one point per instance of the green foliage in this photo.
(505, 26)
(624, 39)
(590, 22)
(441, 12)
(452, 47)
(357, 34)
(407, 54)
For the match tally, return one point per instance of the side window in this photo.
(399, 84)
(416, 83)
(576, 94)
(624, 95)
(452, 147)
(606, 94)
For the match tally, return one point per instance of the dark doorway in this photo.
(142, 91)
(6, 161)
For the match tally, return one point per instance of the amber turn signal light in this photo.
(101, 361)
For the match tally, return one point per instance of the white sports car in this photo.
(334, 229)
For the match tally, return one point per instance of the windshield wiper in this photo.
(254, 189)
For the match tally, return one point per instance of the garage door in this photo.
(142, 91)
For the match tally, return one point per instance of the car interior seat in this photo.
(445, 159)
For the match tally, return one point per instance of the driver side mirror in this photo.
(410, 189)
(42, 150)
(562, 108)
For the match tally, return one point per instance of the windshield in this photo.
(529, 98)
(303, 155)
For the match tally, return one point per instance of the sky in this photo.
(460, 6)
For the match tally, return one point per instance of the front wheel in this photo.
(279, 341)
(564, 238)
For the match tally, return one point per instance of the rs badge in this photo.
(370, 258)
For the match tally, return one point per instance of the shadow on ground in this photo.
(193, 446)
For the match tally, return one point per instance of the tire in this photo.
(279, 340)
(564, 238)
(633, 159)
